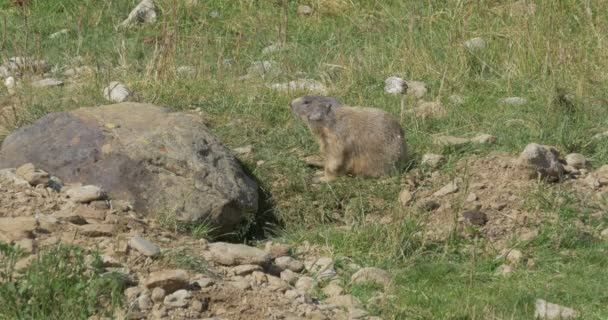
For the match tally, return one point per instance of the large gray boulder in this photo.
(160, 161)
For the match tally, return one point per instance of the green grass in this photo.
(354, 46)
(58, 284)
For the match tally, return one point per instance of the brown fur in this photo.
(360, 141)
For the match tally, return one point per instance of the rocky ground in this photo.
(238, 282)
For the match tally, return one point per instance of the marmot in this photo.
(365, 142)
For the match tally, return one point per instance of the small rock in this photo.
(309, 85)
(483, 138)
(304, 284)
(417, 89)
(97, 230)
(450, 141)
(236, 254)
(144, 302)
(276, 249)
(514, 256)
(394, 85)
(241, 284)
(214, 14)
(144, 246)
(514, 101)
(178, 299)
(374, 275)
(600, 135)
(471, 197)
(243, 151)
(289, 263)
(289, 276)
(168, 280)
(449, 188)
(475, 44)
(33, 176)
(263, 68)
(575, 160)
(85, 194)
(47, 83)
(132, 293)
(22, 64)
(144, 12)
(604, 234)
(346, 301)
(27, 245)
(117, 92)
(10, 85)
(323, 267)
(205, 282)
(199, 306)
(79, 71)
(158, 294)
(549, 311)
(304, 10)
(498, 205)
(405, 198)
(59, 33)
(432, 160)
(186, 71)
(333, 290)
(475, 217)
(246, 269)
(504, 270)
(456, 100)
(541, 160)
(356, 313)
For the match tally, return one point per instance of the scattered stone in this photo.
(604, 234)
(304, 10)
(472, 197)
(309, 85)
(144, 302)
(236, 254)
(475, 44)
(374, 275)
(24, 64)
(484, 139)
(432, 160)
(214, 14)
(541, 160)
(85, 194)
(59, 33)
(549, 311)
(417, 89)
(394, 85)
(97, 230)
(405, 198)
(246, 269)
(144, 246)
(276, 250)
(168, 280)
(346, 301)
(143, 13)
(10, 84)
(263, 68)
(514, 101)
(449, 188)
(504, 270)
(132, 293)
(289, 263)
(450, 141)
(47, 83)
(323, 268)
(199, 306)
(475, 217)
(576, 160)
(205, 282)
(33, 176)
(178, 299)
(158, 294)
(117, 92)
(289, 276)
(79, 71)
(333, 290)
(243, 151)
(241, 284)
(456, 100)
(356, 313)
(305, 284)
(514, 256)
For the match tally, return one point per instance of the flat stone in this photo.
(47, 83)
(158, 294)
(97, 230)
(16, 228)
(550, 311)
(484, 138)
(168, 280)
(333, 290)
(432, 160)
(305, 283)
(514, 101)
(241, 284)
(289, 263)
(449, 188)
(304, 10)
(450, 141)
(277, 249)
(85, 194)
(346, 301)
(246, 269)
(475, 44)
(576, 160)
(178, 299)
(236, 254)
(405, 198)
(373, 275)
(144, 246)
(290, 276)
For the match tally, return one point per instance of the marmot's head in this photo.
(315, 110)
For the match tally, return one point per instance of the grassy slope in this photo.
(561, 45)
